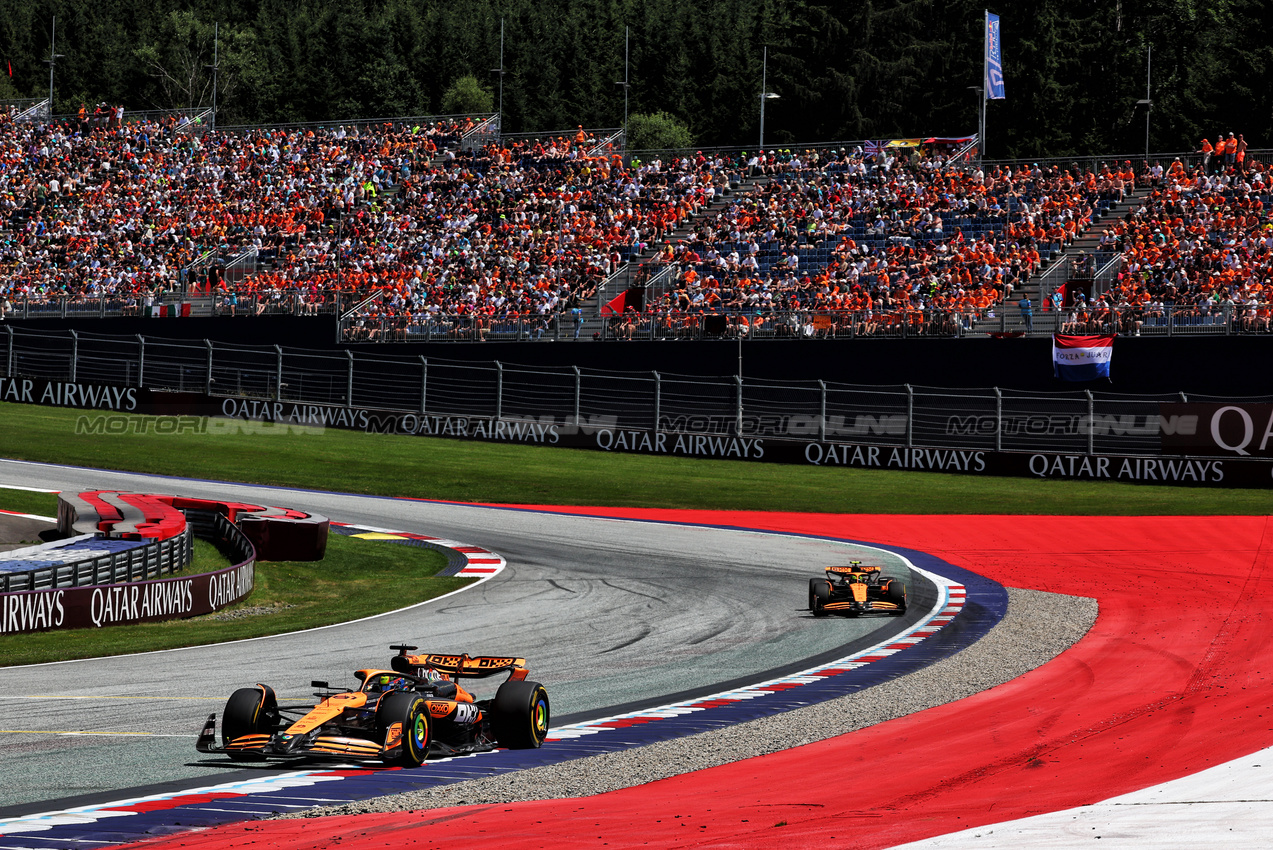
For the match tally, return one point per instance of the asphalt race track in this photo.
(1153, 731)
(608, 613)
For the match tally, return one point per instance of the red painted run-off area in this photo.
(1173, 678)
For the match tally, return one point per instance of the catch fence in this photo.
(910, 416)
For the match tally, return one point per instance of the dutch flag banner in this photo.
(1081, 358)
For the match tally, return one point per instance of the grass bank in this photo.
(391, 465)
(358, 578)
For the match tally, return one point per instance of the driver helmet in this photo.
(385, 682)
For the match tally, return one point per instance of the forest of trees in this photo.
(1074, 70)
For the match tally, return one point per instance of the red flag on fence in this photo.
(615, 305)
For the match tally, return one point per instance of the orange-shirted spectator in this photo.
(1207, 152)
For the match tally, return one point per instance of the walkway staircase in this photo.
(620, 279)
(1007, 317)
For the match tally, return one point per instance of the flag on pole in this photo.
(994, 59)
(615, 305)
(1081, 358)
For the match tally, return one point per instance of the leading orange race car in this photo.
(399, 716)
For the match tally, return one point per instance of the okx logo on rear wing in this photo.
(458, 666)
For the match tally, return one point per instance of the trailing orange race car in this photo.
(399, 716)
(854, 590)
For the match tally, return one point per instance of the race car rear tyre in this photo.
(819, 596)
(249, 711)
(412, 712)
(519, 715)
(897, 595)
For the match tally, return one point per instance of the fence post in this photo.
(278, 374)
(1184, 398)
(424, 382)
(1091, 422)
(8, 364)
(62, 304)
(738, 425)
(499, 390)
(1171, 319)
(349, 379)
(141, 359)
(75, 354)
(658, 399)
(207, 388)
(822, 412)
(910, 416)
(1228, 321)
(578, 383)
(998, 419)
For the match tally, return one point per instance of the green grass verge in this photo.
(493, 472)
(26, 502)
(207, 558)
(358, 578)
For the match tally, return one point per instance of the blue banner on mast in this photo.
(994, 59)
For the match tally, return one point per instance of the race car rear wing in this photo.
(854, 567)
(458, 666)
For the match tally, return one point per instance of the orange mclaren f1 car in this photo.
(400, 716)
(856, 589)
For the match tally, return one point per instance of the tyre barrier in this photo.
(100, 592)
(93, 559)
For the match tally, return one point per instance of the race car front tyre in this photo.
(897, 595)
(412, 712)
(249, 711)
(519, 715)
(819, 596)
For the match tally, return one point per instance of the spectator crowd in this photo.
(413, 229)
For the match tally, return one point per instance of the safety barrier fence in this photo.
(353, 389)
(269, 302)
(1142, 320)
(152, 560)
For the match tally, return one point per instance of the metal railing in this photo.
(483, 134)
(1081, 422)
(82, 305)
(33, 109)
(1208, 319)
(616, 140)
(359, 123)
(152, 560)
(236, 264)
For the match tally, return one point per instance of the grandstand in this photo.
(440, 228)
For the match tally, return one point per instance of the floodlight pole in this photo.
(626, 82)
(500, 71)
(216, 44)
(985, 87)
(627, 32)
(764, 85)
(1149, 58)
(765, 94)
(52, 60)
